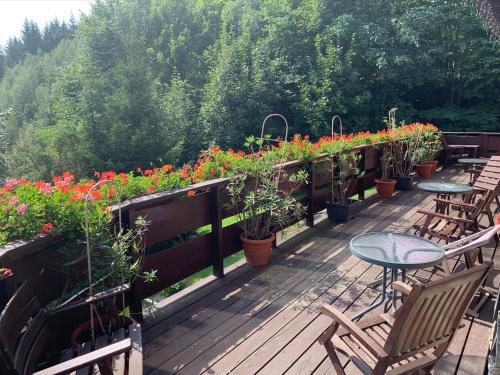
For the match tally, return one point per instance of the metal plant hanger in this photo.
(333, 125)
(332, 164)
(275, 140)
(89, 249)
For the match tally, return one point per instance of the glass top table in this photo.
(473, 161)
(394, 251)
(444, 187)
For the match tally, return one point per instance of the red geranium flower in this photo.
(46, 228)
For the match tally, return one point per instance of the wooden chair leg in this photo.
(330, 349)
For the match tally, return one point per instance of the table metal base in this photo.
(389, 296)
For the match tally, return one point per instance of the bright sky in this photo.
(13, 13)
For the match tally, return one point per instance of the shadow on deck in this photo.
(266, 320)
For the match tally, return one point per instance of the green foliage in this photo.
(256, 197)
(155, 81)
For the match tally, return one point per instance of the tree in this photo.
(31, 37)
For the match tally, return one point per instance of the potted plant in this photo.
(385, 185)
(261, 207)
(344, 175)
(113, 258)
(434, 144)
(403, 146)
(424, 156)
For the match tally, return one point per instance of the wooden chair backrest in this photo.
(24, 331)
(489, 178)
(432, 312)
(484, 200)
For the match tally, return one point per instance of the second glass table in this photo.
(395, 252)
(444, 190)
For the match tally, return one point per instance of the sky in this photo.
(13, 13)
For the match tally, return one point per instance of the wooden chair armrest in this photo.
(372, 346)
(454, 202)
(401, 287)
(89, 358)
(447, 217)
(96, 298)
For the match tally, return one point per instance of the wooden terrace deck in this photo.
(266, 320)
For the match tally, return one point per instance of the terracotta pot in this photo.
(385, 188)
(434, 164)
(257, 252)
(424, 171)
(85, 326)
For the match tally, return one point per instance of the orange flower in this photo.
(46, 228)
(151, 188)
(190, 193)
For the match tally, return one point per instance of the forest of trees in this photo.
(155, 81)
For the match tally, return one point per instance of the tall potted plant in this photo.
(113, 258)
(433, 140)
(261, 206)
(344, 175)
(385, 185)
(423, 157)
(403, 150)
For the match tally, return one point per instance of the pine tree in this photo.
(31, 37)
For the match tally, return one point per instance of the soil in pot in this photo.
(424, 171)
(403, 182)
(257, 252)
(385, 188)
(339, 211)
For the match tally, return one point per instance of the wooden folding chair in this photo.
(25, 330)
(415, 338)
(450, 227)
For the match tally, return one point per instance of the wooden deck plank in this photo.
(267, 319)
(230, 359)
(202, 360)
(234, 293)
(313, 251)
(315, 354)
(370, 217)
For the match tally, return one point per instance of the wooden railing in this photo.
(489, 143)
(173, 214)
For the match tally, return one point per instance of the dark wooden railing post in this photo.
(216, 221)
(361, 181)
(310, 194)
(483, 142)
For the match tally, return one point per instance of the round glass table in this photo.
(473, 166)
(395, 252)
(444, 190)
(473, 161)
